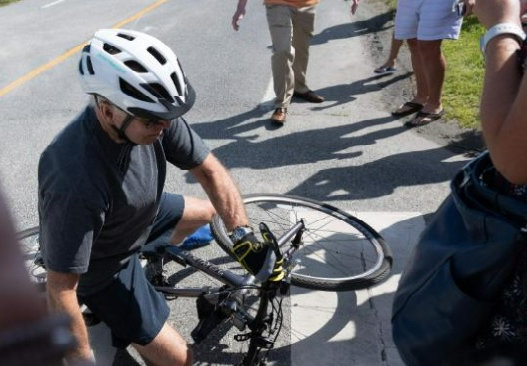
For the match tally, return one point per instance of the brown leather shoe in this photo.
(310, 96)
(279, 115)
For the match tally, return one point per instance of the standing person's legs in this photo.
(438, 21)
(394, 51)
(421, 81)
(406, 23)
(389, 65)
(281, 29)
(303, 27)
(434, 66)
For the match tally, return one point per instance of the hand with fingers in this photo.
(238, 14)
(259, 258)
(354, 6)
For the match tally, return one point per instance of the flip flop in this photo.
(385, 70)
(407, 109)
(424, 118)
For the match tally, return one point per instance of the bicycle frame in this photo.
(227, 277)
(214, 305)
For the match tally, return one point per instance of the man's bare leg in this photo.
(197, 213)
(434, 67)
(167, 349)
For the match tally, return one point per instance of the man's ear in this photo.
(106, 110)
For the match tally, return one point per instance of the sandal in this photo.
(407, 109)
(424, 118)
(385, 70)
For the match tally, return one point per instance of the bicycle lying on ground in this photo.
(323, 248)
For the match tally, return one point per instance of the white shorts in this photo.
(427, 20)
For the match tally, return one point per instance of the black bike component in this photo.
(209, 315)
(336, 251)
(284, 287)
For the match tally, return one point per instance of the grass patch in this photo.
(464, 77)
(5, 2)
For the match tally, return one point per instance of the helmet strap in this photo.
(121, 131)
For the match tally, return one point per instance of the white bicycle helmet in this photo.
(136, 72)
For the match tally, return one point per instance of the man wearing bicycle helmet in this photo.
(101, 194)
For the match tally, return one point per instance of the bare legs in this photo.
(197, 213)
(429, 66)
(168, 348)
(392, 56)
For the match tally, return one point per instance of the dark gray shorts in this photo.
(130, 306)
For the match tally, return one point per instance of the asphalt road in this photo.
(347, 151)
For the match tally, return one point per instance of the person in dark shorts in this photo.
(100, 195)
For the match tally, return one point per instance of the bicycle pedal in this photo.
(242, 337)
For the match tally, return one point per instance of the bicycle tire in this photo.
(370, 256)
(30, 247)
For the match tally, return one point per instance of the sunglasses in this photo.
(147, 122)
(150, 123)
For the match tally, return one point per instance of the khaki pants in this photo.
(291, 32)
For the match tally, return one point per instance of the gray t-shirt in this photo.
(98, 199)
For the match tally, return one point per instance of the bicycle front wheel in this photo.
(339, 251)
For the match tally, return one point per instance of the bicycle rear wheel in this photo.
(30, 246)
(339, 251)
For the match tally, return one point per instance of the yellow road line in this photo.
(57, 60)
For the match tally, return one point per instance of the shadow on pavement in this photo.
(354, 28)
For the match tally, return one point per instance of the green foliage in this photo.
(464, 77)
(5, 2)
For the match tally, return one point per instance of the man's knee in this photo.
(430, 48)
(412, 42)
(198, 210)
(167, 348)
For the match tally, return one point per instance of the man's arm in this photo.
(62, 296)
(222, 191)
(503, 117)
(238, 14)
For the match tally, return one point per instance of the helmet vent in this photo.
(80, 67)
(179, 88)
(89, 65)
(158, 56)
(135, 66)
(158, 90)
(112, 50)
(129, 90)
(125, 36)
(86, 48)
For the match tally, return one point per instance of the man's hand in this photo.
(354, 6)
(469, 5)
(238, 15)
(62, 297)
(258, 258)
